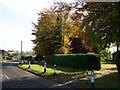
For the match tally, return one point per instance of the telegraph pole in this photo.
(21, 53)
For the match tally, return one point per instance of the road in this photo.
(13, 77)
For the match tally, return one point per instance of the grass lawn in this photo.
(39, 70)
(3, 60)
(107, 77)
(108, 81)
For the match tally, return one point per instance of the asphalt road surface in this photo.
(13, 77)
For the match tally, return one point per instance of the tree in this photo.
(48, 34)
(56, 31)
(52, 30)
(79, 40)
(15, 54)
(76, 38)
(102, 24)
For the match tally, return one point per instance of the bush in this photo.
(118, 61)
(39, 58)
(80, 61)
(28, 58)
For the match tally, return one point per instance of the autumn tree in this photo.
(52, 30)
(48, 33)
(77, 38)
(57, 31)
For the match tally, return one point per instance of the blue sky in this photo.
(16, 17)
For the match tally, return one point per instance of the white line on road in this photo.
(4, 76)
(1, 75)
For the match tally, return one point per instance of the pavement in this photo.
(13, 77)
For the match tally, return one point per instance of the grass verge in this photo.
(39, 70)
(3, 60)
(107, 77)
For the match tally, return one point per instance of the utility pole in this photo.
(21, 53)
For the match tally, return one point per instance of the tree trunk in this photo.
(118, 81)
(118, 61)
(118, 44)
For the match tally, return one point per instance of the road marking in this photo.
(1, 75)
(4, 76)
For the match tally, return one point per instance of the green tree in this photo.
(15, 54)
(102, 24)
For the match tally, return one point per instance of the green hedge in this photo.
(80, 61)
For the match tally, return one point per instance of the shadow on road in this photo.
(21, 79)
(10, 63)
(31, 82)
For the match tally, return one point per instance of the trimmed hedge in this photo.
(80, 61)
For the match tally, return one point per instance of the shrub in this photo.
(39, 58)
(80, 61)
(27, 58)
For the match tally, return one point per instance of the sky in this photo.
(16, 17)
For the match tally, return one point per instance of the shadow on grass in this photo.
(108, 81)
(104, 62)
(111, 81)
(61, 68)
(110, 68)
